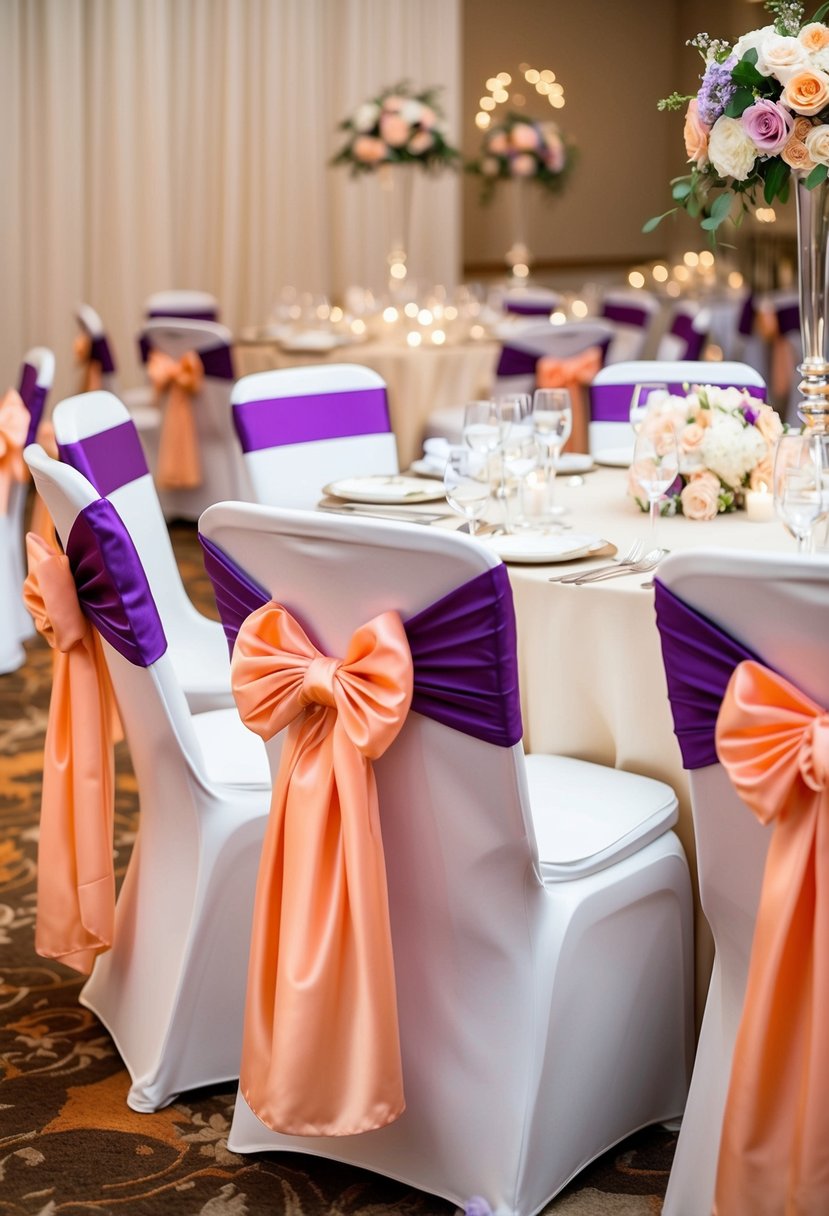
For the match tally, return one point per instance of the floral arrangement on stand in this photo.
(726, 444)
(761, 112)
(522, 149)
(398, 127)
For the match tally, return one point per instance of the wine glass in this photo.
(552, 419)
(655, 465)
(483, 426)
(521, 457)
(641, 401)
(798, 493)
(466, 482)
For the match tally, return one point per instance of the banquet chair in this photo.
(37, 372)
(540, 906)
(184, 488)
(773, 607)
(190, 305)
(170, 990)
(97, 436)
(633, 316)
(302, 427)
(611, 437)
(530, 302)
(687, 333)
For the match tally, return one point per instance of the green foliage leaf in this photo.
(745, 72)
(777, 176)
(682, 189)
(742, 99)
(720, 210)
(656, 220)
(817, 176)
(820, 14)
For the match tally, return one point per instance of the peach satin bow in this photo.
(321, 1051)
(774, 1150)
(76, 882)
(14, 427)
(92, 377)
(575, 374)
(179, 462)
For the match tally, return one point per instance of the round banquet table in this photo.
(419, 379)
(590, 663)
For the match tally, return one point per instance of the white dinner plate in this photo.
(542, 547)
(614, 458)
(398, 489)
(575, 462)
(312, 342)
(427, 468)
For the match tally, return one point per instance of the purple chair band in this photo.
(516, 362)
(99, 352)
(745, 324)
(611, 402)
(110, 459)
(626, 314)
(529, 308)
(463, 647)
(33, 396)
(788, 319)
(184, 314)
(682, 327)
(112, 586)
(278, 421)
(699, 658)
(217, 361)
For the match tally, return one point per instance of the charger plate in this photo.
(386, 489)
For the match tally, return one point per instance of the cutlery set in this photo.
(635, 561)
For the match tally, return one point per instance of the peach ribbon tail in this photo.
(91, 373)
(774, 1150)
(179, 461)
(574, 373)
(14, 427)
(76, 881)
(321, 1050)
(41, 522)
(781, 357)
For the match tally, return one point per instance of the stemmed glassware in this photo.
(655, 465)
(552, 422)
(467, 485)
(799, 495)
(640, 401)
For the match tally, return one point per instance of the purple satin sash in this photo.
(109, 459)
(217, 361)
(682, 327)
(33, 396)
(611, 402)
(528, 308)
(463, 647)
(626, 314)
(516, 362)
(788, 319)
(278, 421)
(112, 586)
(184, 314)
(99, 352)
(745, 325)
(699, 658)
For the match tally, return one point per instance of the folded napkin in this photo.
(435, 454)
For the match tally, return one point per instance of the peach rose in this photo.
(807, 92)
(770, 425)
(700, 497)
(368, 149)
(796, 155)
(691, 437)
(524, 136)
(801, 128)
(421, 142)
(394, 130)
(523, 165)
(814, 36)
(696, 135)
(761, 474)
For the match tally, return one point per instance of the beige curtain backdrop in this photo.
(150, 144)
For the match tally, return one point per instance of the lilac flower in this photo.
(716, 90)
(477, 1206)
(750, 414)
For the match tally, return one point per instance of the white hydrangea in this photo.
(731, 450)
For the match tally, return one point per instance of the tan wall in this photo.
(614, 60)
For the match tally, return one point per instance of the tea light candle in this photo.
(759, 506)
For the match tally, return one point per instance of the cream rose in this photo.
(730, 150)
(700, 497)
(807, 92)
(796, 155)
(751, 41)
(770, 425)
(814, 36)
(696, 136)
(817, 144)
(366, 116)
(779, 55)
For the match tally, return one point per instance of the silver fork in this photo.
(649, 562)
(633, 554)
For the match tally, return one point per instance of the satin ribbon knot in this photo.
(179, 461)
(321, 1050)
(14, 427)
(814, 754)
(574, 373)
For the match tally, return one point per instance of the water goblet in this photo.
(552, 420)
(799, 499)
(655, 466)
(643, 397)
(466, 482)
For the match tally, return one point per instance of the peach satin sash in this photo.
(575, 373)
(774, 1152)
(76, 882)
(91, 376)
(14, 427)
(179, 462)
(782, 367)
(321, 1050)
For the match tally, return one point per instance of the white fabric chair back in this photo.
(194, 305)
(633, 316)
(171, 989)
(776, 606)
(535, 340)
(96, 435)
(606, 435)
(323, 439)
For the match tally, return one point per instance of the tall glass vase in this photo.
(396, 188)
(518, 255)
(813, 286)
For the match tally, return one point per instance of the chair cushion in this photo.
(588, 816)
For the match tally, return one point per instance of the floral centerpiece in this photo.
(520, 148)
(397, 127)
(726, 443)
(761, 112)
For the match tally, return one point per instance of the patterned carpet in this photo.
(68, 1141)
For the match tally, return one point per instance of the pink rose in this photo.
(498, 144)
(768, 125)
(554, 157)
(428, 117)
(700, 497)
(393, 104)
(524, 136)
(421, 142)
(368, 149)
(696, 135)
(394, 130)
(523, 165)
